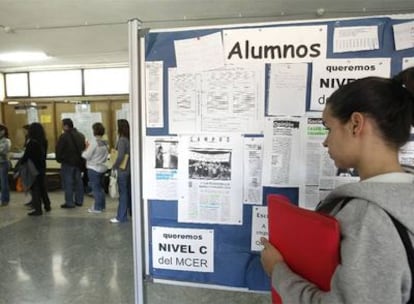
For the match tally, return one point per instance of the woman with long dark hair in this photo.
(368, 121)
(123, 172)
(36, 149)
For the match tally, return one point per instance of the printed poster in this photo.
(183, 249)
(210, 179)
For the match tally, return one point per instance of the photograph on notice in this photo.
(209, 165)
(166, 156)
(348, 172)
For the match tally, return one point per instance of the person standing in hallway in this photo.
(69, 148)
(5, 145)
(17, 166)
(96, 155)
(123, 172)
(368, 121)
(35, 151)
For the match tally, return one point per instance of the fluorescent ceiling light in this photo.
(23, 56)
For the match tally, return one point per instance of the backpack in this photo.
(402, 231)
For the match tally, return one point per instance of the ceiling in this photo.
(87, 33)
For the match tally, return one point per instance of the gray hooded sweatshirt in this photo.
(374, 266)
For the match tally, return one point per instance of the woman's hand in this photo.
(270, 256)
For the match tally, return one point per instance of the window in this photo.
(55, 83)
(17, 85)
(106, 81)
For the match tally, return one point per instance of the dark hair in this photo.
(390, 102)
(37, 132)
(98, 129)
(67, 122)
(123, 128)
(406, 78)
(6, 131)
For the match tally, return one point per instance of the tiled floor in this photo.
(71, 256)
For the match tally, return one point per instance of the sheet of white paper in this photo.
(222, 100)
(183, 101)
(154, 94)
(210, 179)
(32, 115)
(259, 227)
(199, 54)
(252, 170)
(160, 165)
(83, 121)
(407, 62)
(321, 174)
(183, 249)
(232, 100)
(355, 38)
(287, 89)
(283, 161)
(314, 133)
(406, 153)
(404, 35)
(330, 74)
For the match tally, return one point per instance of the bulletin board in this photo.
(190, 239)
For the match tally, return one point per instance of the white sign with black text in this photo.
(183, 249)
(331, 74)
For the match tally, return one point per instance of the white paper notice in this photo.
(355, 38)
(259, 227)
(199, 54)
(252, 170)
(160, 165)
(407, 62)
(210, 179)
(331, 74)
(287, 89)
(283, 161)
(406, 153)
(183, 101)
(83, 121)
(124, 112)
(232, 100)
(404, 35)
(222, 100)
(183, 249)
(314, 133)
(32, 115)
(154, 94)
(321, 174)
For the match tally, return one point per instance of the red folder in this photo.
(308, 240)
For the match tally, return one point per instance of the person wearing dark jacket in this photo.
(69, 148)
(35, 151)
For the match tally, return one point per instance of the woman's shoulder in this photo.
(123, 141)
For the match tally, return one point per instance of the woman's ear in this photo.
(357, 122)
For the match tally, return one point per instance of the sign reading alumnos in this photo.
(280, 44)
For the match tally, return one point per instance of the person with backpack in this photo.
(368, 121)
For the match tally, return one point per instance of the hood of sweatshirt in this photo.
(396, 198)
